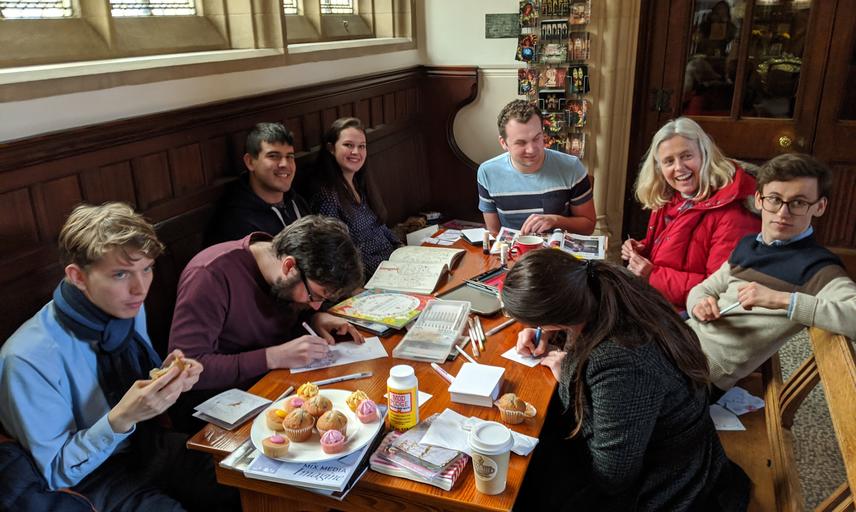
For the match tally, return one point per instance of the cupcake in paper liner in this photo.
(513, 410)
(332, 420)
(298, 425)
(318, 405)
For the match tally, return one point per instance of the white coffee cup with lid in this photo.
(490, 443)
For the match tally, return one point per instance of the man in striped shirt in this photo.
(529, 187)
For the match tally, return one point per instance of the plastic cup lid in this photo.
(490, 438)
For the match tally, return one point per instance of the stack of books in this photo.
(401, 455)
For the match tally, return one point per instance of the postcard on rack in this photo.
(414, 269)
(389, 308)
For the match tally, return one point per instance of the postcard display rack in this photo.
(554, 43)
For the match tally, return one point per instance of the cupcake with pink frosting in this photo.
(291, 403)
(332, 441)
(367, 411)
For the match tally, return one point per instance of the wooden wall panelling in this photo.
(152, 179)
(185, 164)
(26, 294)
(388, 108)
(364, 111)
(53, 201)
(313, 129)
(453, 174)
(396, 164)
(328, 115)
(216, 158)
(296, 126)
(837, 226)
(376, 112)
(109, 183)
(346, 110)
(174, 165)
(17, 223)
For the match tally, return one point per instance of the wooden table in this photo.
(376, 491)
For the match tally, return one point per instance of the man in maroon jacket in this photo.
(240, 304)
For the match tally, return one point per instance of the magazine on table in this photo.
(587, 247)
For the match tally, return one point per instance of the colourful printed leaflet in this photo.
(394, 309)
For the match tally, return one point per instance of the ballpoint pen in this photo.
(537, 337)
(352, 376)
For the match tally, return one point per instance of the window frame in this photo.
(252, 40)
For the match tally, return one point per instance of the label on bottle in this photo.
(403, 408)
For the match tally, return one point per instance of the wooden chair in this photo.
(765, 450)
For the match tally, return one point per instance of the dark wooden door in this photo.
(835, 140)
(761, 78)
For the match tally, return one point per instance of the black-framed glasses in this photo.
(795, 206)
(309, 293)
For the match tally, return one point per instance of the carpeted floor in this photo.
(818, 458)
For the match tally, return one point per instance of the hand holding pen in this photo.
(530, 342)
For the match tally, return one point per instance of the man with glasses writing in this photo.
(779, 282)
(240, 304)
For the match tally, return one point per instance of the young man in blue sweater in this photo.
(75, 389)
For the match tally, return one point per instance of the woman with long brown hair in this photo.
(343, 188)
(632, 429)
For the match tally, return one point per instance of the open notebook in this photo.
(414, 269)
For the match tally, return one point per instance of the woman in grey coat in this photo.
(631, 428)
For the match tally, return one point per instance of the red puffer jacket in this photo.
(697, 240)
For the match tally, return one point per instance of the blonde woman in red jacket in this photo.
(700, 204)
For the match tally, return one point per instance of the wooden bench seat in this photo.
(765, 450)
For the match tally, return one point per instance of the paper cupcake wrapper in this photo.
(516, 417)
(298, 434)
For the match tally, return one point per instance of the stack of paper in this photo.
(476, 384)
(230, 408)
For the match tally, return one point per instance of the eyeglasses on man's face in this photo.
(795, 206)
(312, 296)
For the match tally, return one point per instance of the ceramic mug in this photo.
(524, 244)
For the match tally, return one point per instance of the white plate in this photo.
(359, 433)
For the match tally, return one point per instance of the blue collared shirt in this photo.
(51, 402)
(781, 243)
